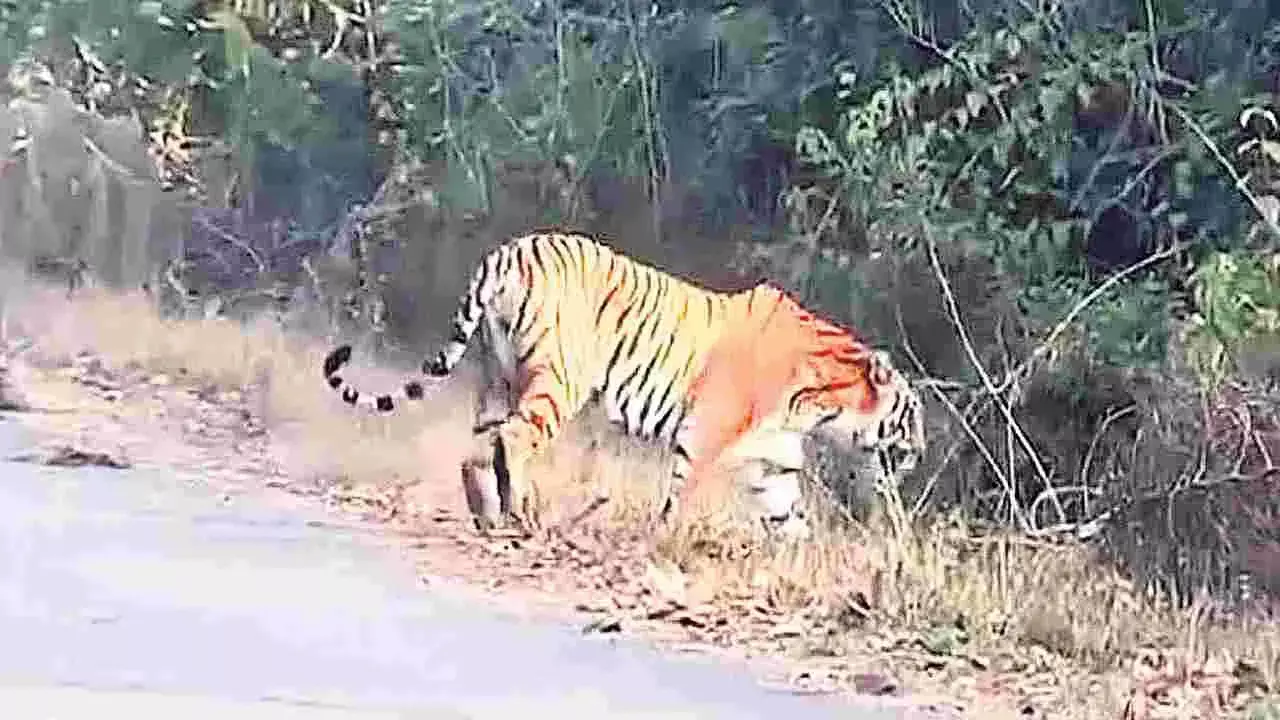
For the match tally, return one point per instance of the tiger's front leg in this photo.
(769, 466)
(497, 490)
(766, 464)
(775, 493)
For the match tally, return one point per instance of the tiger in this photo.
(723, 379)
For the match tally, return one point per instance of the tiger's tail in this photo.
(466, 319)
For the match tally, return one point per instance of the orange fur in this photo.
(770, 347)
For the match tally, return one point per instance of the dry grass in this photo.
(1007, 603)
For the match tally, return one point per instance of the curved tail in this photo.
(471, 308)
(336, 360)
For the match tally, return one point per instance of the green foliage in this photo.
(1237, 292)
(992, 151)
(244, 76)
(1238, 307)
(487, 83)
(1008, 135)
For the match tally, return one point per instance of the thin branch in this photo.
(1093, 443)
(1241, 183)
(1046, 345)
(953, 313)
(230, 237)
(1005, 480)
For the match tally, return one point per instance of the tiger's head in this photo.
(876, 412)
(897, 437)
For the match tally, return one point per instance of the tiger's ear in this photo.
(879, 368)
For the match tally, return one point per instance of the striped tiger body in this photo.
(734, 378)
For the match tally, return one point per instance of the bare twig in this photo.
(1121, 131)
(1093, 444)
(1240, 182)
(123, 173)
(953, 312)
(231, 238)
(650, 113)
(1005, 480)
(577, 518)
(1053, 493)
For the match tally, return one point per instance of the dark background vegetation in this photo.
(1060, 216)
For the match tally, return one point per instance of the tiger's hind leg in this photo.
(493, 404)
(540, 411)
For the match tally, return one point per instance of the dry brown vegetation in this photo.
(993, 619)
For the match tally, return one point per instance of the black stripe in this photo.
(556, 371)
(335, 360)
(480, 279)
(519, 326)
(665, 351)
(533, 347)
(660, 429)
(604, 305)
(557, 258)
(632, 346)
(562, 253)
(647, 408)
(505, 260)
(648, 371)
(655, 291)
(664, 289)
(665, 400)
(537, 258)
(614, 358)
(626, 385)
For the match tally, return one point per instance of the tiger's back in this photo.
(600, 322)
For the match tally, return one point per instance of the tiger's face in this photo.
(892, 437)
(897, 440)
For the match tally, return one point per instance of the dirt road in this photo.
(129, 590)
